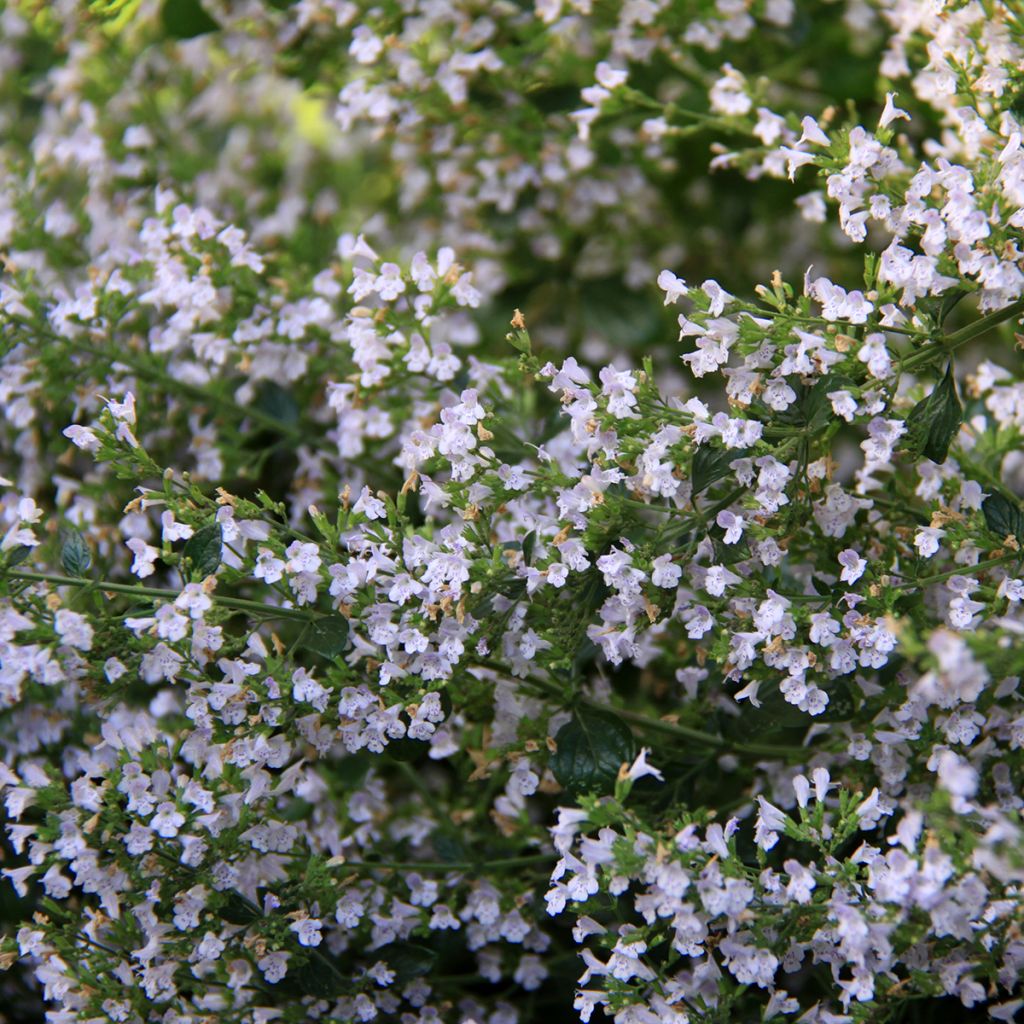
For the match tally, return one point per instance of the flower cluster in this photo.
(361, 658)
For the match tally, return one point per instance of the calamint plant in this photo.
(512, 512)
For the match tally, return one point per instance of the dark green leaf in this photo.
(774, 714)
(296, 810)
(728, 554)
(590, 750)
(185, 19)
(238, 910)
(841, 704)
(202, 551)
(327, 636)
(529, 542)
(449, 848)
(817, 406)
(1003, 517)
(75, 555)
(319, 978)
(408, 960)
(273, 400)
(18, 555)
(405, 749)
(934, 421)
(949, 303)
(711, 464)
(822, 587)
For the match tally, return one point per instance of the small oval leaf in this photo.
(203, 550)
(19, 554)
(1003, 517)
(186, 19)
(711, 464)
(75, 555)
(591, 748)
(408, 960)
(328, 636)
(935, 420)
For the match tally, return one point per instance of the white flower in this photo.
(853, 566)
(843, 404)
(389, 284)
(167, 820)
(82, 437)
(926, 540)
(608, 77)
(890, 112)
(813, 133)
(145, 555)
(664, 573)
(640, 767)
(73, 629)
(728, 95)
(672, 286)
(308, 931)
(365, 46)
(732, 524)
(368, 505)
(172, 529)
(717, 578)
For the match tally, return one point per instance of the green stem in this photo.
(418, 783)
(440, 865)
(125, 588)
(719, 742)
(196, 393)
(951, 342)
(659, 725)
(967, 570)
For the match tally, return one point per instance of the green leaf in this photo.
(728, 554)
(529, 542)
(817, 406)
(18, 555)
(949, 303)
(319, 977)
(590, 750)
(1003, 517)
(327, 636)
(274, 401)
(202, 551)
(186, 19)
(296, 810)
(405, 749)
(935, 420)
(75, 555)
(449, 848)
(237, 909)
(711, 464)
(822, 587)
(774, 715)
(520, 341)
(841, 703)
(408, 960)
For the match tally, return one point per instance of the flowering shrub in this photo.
(365, 656)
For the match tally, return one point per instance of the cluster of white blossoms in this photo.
(657, 660)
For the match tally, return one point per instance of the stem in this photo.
(719, 742)
(967, 570)
(951, 342)
(195, 392)
(440, 865)
(418, 783)
(659, 725)
(125, 588)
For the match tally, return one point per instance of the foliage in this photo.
(365, 656)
